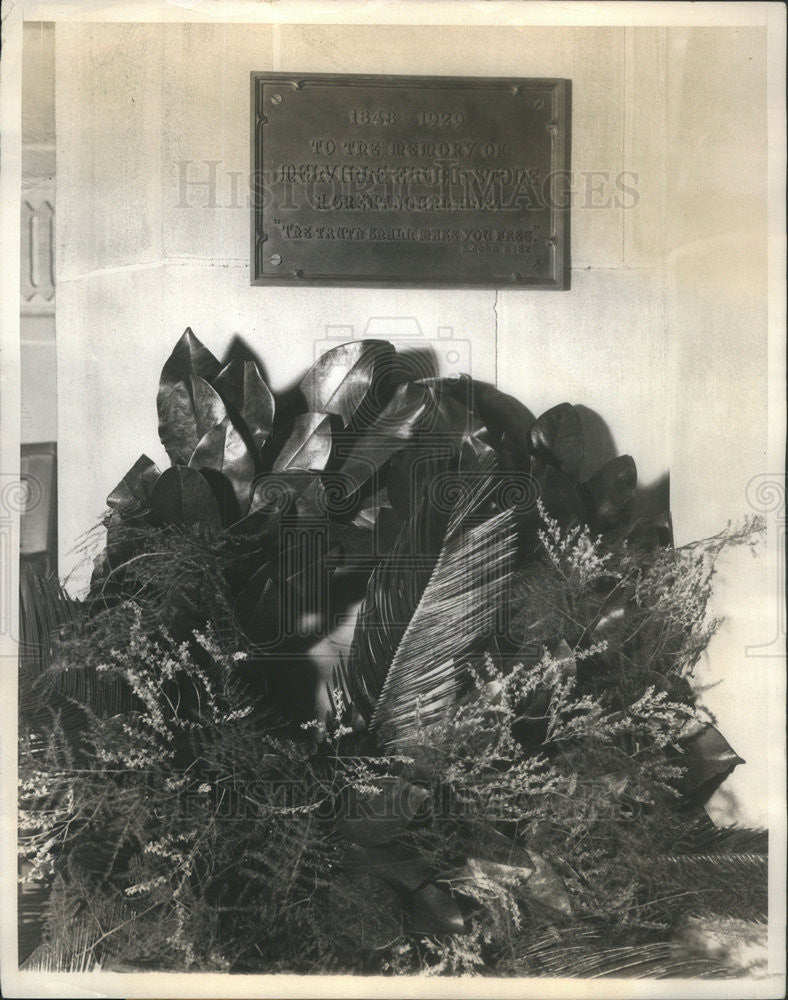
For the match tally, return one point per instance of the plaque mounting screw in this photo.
(276, 98)
(276, 259)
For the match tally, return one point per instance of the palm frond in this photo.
(658, 960)
(742, 863)
(427, 605)
(45, 609)
(582, 952)
(704, 837)
(734, 885)
(458, 608)
(58, 678)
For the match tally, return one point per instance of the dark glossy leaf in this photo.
(135, 488)
(530, 726)
(526, 875)
(642, 535)
(708, 759)
(610, 491)
(557, 439)
(504, 417)
(182, 496)
(407, 412)
(308, 445)
(433, 911)
(187, 411)
(612, 617)
(224, 451)
(564, 658)
(365, 909)
(399, 867)
(274, 495)
(246, 394)
(258, 605)
(377, 818)
(559, 496)
(187, 404)
(454, 416)
(413, 470)
(343, 378)
(664, 525)
(546, 887)
(189, 357)
(369, 535)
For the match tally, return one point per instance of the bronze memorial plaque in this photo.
(405, 180)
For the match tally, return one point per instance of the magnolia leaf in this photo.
(187, 404)
(643, 535)
(527, 876)
(505, 418)
(273, 494)
(557, 439)
(664, 525)
(308, 445)
(560, 498)
(376, 818)
(432, 911)
(561, 653)
(453, 418)
(258, 605)
(612, 616)
(365, 909)
(509, 876)
(223, 450)
(135, 487)
(708, 759)
(246, 394)
(182, 496)
(189, 357)
(609, 492)
(342, 379)
(413, 470)
(530, 726)
(546, 887)
(402, 869)
(406, 413)
(187, 411)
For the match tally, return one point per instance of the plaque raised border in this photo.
(422, 181)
